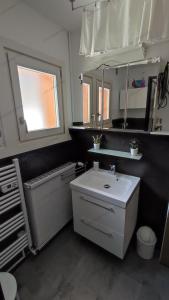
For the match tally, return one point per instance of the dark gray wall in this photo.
(35, 163)
(153, 169)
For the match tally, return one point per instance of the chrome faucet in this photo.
(113, 169)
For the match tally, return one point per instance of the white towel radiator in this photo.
(48, 201)
(14, 229)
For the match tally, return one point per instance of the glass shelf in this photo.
(116, 153)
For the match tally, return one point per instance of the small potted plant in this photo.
(97, 141)
(134, 147)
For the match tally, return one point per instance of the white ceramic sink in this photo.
(116, 189)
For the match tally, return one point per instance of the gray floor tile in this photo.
(126, 288)
(72, 268)
(148, 293)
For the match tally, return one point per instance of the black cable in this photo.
(163, 87)
(2, 297)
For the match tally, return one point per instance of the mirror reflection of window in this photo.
(87, 99)
(106, 104)
(86, 91)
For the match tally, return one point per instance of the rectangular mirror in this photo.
(128, 96)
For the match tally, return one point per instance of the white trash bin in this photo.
(146, 241)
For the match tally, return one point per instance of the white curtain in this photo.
(123, 24)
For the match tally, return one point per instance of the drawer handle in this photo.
(97, 204)
(88, 223)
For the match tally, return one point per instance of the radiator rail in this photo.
(14, 228)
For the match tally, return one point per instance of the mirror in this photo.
(127, 101)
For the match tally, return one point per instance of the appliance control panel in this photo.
(8, 187)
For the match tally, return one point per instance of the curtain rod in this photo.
(81, 6)
(133, 63)
(122, 65)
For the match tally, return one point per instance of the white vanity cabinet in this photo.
(109, 226)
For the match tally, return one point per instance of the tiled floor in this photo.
(72, 268)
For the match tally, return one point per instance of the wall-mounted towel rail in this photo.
(13, 250)
(14, 228)
(9, 201)
(11, 225)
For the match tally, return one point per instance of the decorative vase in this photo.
(97, 146)
(134, 152)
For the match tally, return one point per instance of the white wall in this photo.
(79, 64)
(76, 68)
(22, 27)
(135, 73)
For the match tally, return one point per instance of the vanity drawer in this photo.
(105, 214)
(104, 237)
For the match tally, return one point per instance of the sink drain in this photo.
(107, 186)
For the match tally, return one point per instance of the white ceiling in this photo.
(60, 12)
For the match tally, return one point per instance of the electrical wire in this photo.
(163, 87)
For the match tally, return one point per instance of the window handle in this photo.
(22, 121)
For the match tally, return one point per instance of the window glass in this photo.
(106, 108)
(39, 99)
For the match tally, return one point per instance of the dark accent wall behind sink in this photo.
(37, 162)
(153, 169)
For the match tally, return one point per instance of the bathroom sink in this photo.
(115, 189)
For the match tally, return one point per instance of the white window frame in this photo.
(1, 133)
(24, 60)
(89, 80)
(107, 85)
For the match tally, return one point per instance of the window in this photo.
(39, 99)
(106, 103)
(86, 95)
(38, 96)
